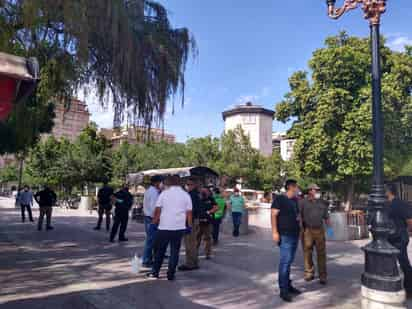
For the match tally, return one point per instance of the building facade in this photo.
(70, 121)
(284, 145)
(137, 135)
(255, 121)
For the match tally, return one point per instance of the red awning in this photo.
(18, 79)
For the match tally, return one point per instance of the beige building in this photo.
(255, 121)
(137, 135)
(284, 145)
(69, 122)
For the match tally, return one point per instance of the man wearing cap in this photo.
(149, 205)
(314, 213)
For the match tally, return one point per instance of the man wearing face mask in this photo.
(314, 213)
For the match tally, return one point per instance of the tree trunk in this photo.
(21, 165)
(349, 195)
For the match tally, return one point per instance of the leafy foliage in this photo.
(332, 117)
(127, 50)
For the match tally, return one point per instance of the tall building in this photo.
(136, 135)
(70, 121)
(255, 121)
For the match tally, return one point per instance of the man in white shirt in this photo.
(149, 205)
(174, 215)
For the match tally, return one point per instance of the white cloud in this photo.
(398, 42)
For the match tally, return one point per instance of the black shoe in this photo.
(147, 265)
(187, 268)
(123, 239)
(49, 228)
(152, 276)
(171, 277)
(295, 291)
(96, 228)
(286, 297)
(31, 220)
(39, 228)
(323, 281)
(111, 240)
(208, 257)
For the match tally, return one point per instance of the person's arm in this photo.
(215, 207)
(274, 221)
(189, 218)
(156, 216)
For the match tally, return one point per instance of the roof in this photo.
(247, 109)
(181, 171)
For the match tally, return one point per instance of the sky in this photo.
(247, 51)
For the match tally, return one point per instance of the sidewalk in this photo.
(76, 267)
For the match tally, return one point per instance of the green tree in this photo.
(126, 50)
(332, 118)
(203, 151)
(238, 159)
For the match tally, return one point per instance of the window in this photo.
(249, 119)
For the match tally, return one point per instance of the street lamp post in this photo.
(381, 280)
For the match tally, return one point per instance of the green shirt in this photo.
(237, 203)
(221, 204)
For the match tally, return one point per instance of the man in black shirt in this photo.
(46, 199)
(104, 198)
(123, 204)
(208, 207)
(401, 215)
(192, 252)
(285, 232)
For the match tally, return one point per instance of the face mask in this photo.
(317, 195)
(187, 188)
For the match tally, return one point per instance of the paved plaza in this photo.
(76, 267)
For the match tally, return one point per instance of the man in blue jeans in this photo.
(149, 205)
(285, 231)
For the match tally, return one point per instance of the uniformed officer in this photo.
(123, 203)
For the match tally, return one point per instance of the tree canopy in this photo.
(332, 116)
(126, 50)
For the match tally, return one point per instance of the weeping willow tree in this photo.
(125, 50)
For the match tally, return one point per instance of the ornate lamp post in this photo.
(381, 281)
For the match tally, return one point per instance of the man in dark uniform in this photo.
(208, 207)
(104, 198)
(401, 215)
(46, 199)
(123, 204)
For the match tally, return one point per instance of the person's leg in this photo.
(199, 236)
(216, 230)
(192, 259)
(405, 264)
(161, 243)
(108, 213)
(30, 213)
(23, 208)
(175, 243)
(123, 225)
(320, 244)
(237, 217)
(150, 237)
(115, 227)
(207, 237)
(41, 216)
(100, 212)
(49, 211)
(285, 261)
(308, 255)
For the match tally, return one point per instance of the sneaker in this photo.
(295, 291)
(286, 297)
(123, 239)
(187, 268)
(152, 276)
(111, 240)
(49, 228)
(171, 277)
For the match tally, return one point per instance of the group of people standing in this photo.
(45, 198)
(294, 218)
(193, 213)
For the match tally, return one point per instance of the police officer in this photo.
(46, 199)
(104, 198)
(123, 204)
